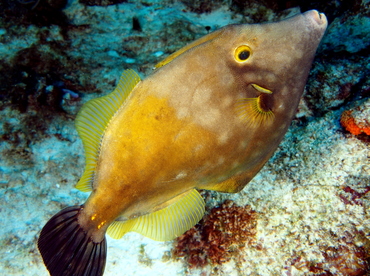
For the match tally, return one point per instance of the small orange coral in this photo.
(349, 123)
(219, 236)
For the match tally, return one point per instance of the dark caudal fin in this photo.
(66, 248)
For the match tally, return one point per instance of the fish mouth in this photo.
(322, 17)
(316, 17)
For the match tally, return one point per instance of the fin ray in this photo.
(249, 109)
(67, 250)
(165, 224)
(93, 119)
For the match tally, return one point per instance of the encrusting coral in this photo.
(219, 236)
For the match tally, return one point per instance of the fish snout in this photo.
(317, 18)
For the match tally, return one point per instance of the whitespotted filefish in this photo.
(208, 117)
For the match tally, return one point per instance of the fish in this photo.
(207, 118)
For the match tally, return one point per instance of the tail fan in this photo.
(66, 248)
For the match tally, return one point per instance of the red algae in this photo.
(219, 236)
(350, 257)
(353, 196)
(347, 258)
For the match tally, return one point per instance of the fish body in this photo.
(209, 117)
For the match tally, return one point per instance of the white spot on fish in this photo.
(181, 175)
(199, 147)
(202, 96)
(280, 107)
(235, 164)
(284, 91)
(243, 145)
(182, 112)
(269, 78)
(221, 160)
(210, 118)
(255, 154)
(222, 139)
(227, 101)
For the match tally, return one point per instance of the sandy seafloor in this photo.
(303, 207)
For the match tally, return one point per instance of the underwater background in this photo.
(307, 212)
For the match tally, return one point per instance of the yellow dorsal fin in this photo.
(165, 224)
(189, 46)
(93, 119)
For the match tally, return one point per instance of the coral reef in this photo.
(357, 119)
(219, 236)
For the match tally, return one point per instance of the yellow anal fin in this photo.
(165, 224)
(188, 47)
(93, 119)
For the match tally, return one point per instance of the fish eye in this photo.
(242, 53)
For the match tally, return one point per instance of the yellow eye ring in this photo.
(242, 53)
